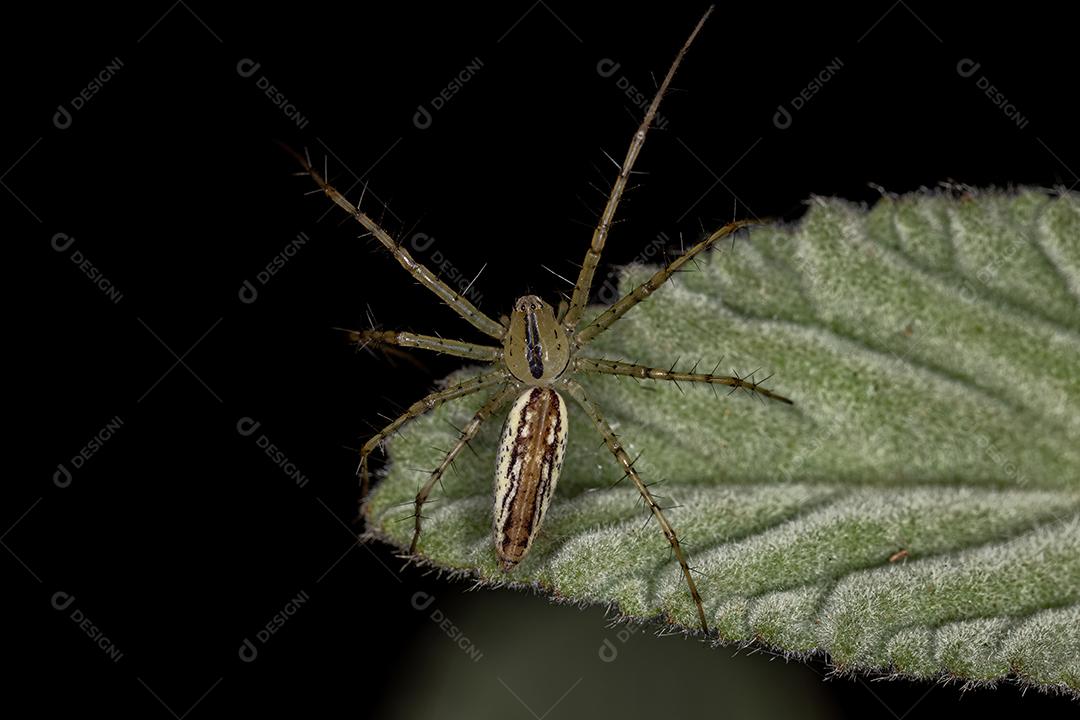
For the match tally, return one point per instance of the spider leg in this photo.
(614, 367)
(445, 346)
(492, 406)
(457, 302)
(592, 256)
(418, 408)
(607, 318)
(612, 441)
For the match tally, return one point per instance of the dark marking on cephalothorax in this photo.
(533, 347)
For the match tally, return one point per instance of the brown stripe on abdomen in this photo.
(527, 469)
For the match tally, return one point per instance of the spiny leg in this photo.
(592, 256)
(492, 406)
(607, 318)
(425, 277)
(578, 392)
(615, 367)
(418, 408)
(445, 346)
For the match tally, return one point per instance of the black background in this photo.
(180, 538)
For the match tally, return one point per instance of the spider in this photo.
(537, 353)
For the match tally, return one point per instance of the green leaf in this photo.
(932, 348)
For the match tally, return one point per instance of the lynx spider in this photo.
(538, 352)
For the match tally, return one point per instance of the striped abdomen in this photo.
(526, 470)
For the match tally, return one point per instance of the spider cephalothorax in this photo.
(536, 357)
(537, 348)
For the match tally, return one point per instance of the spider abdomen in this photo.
(527, 469)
